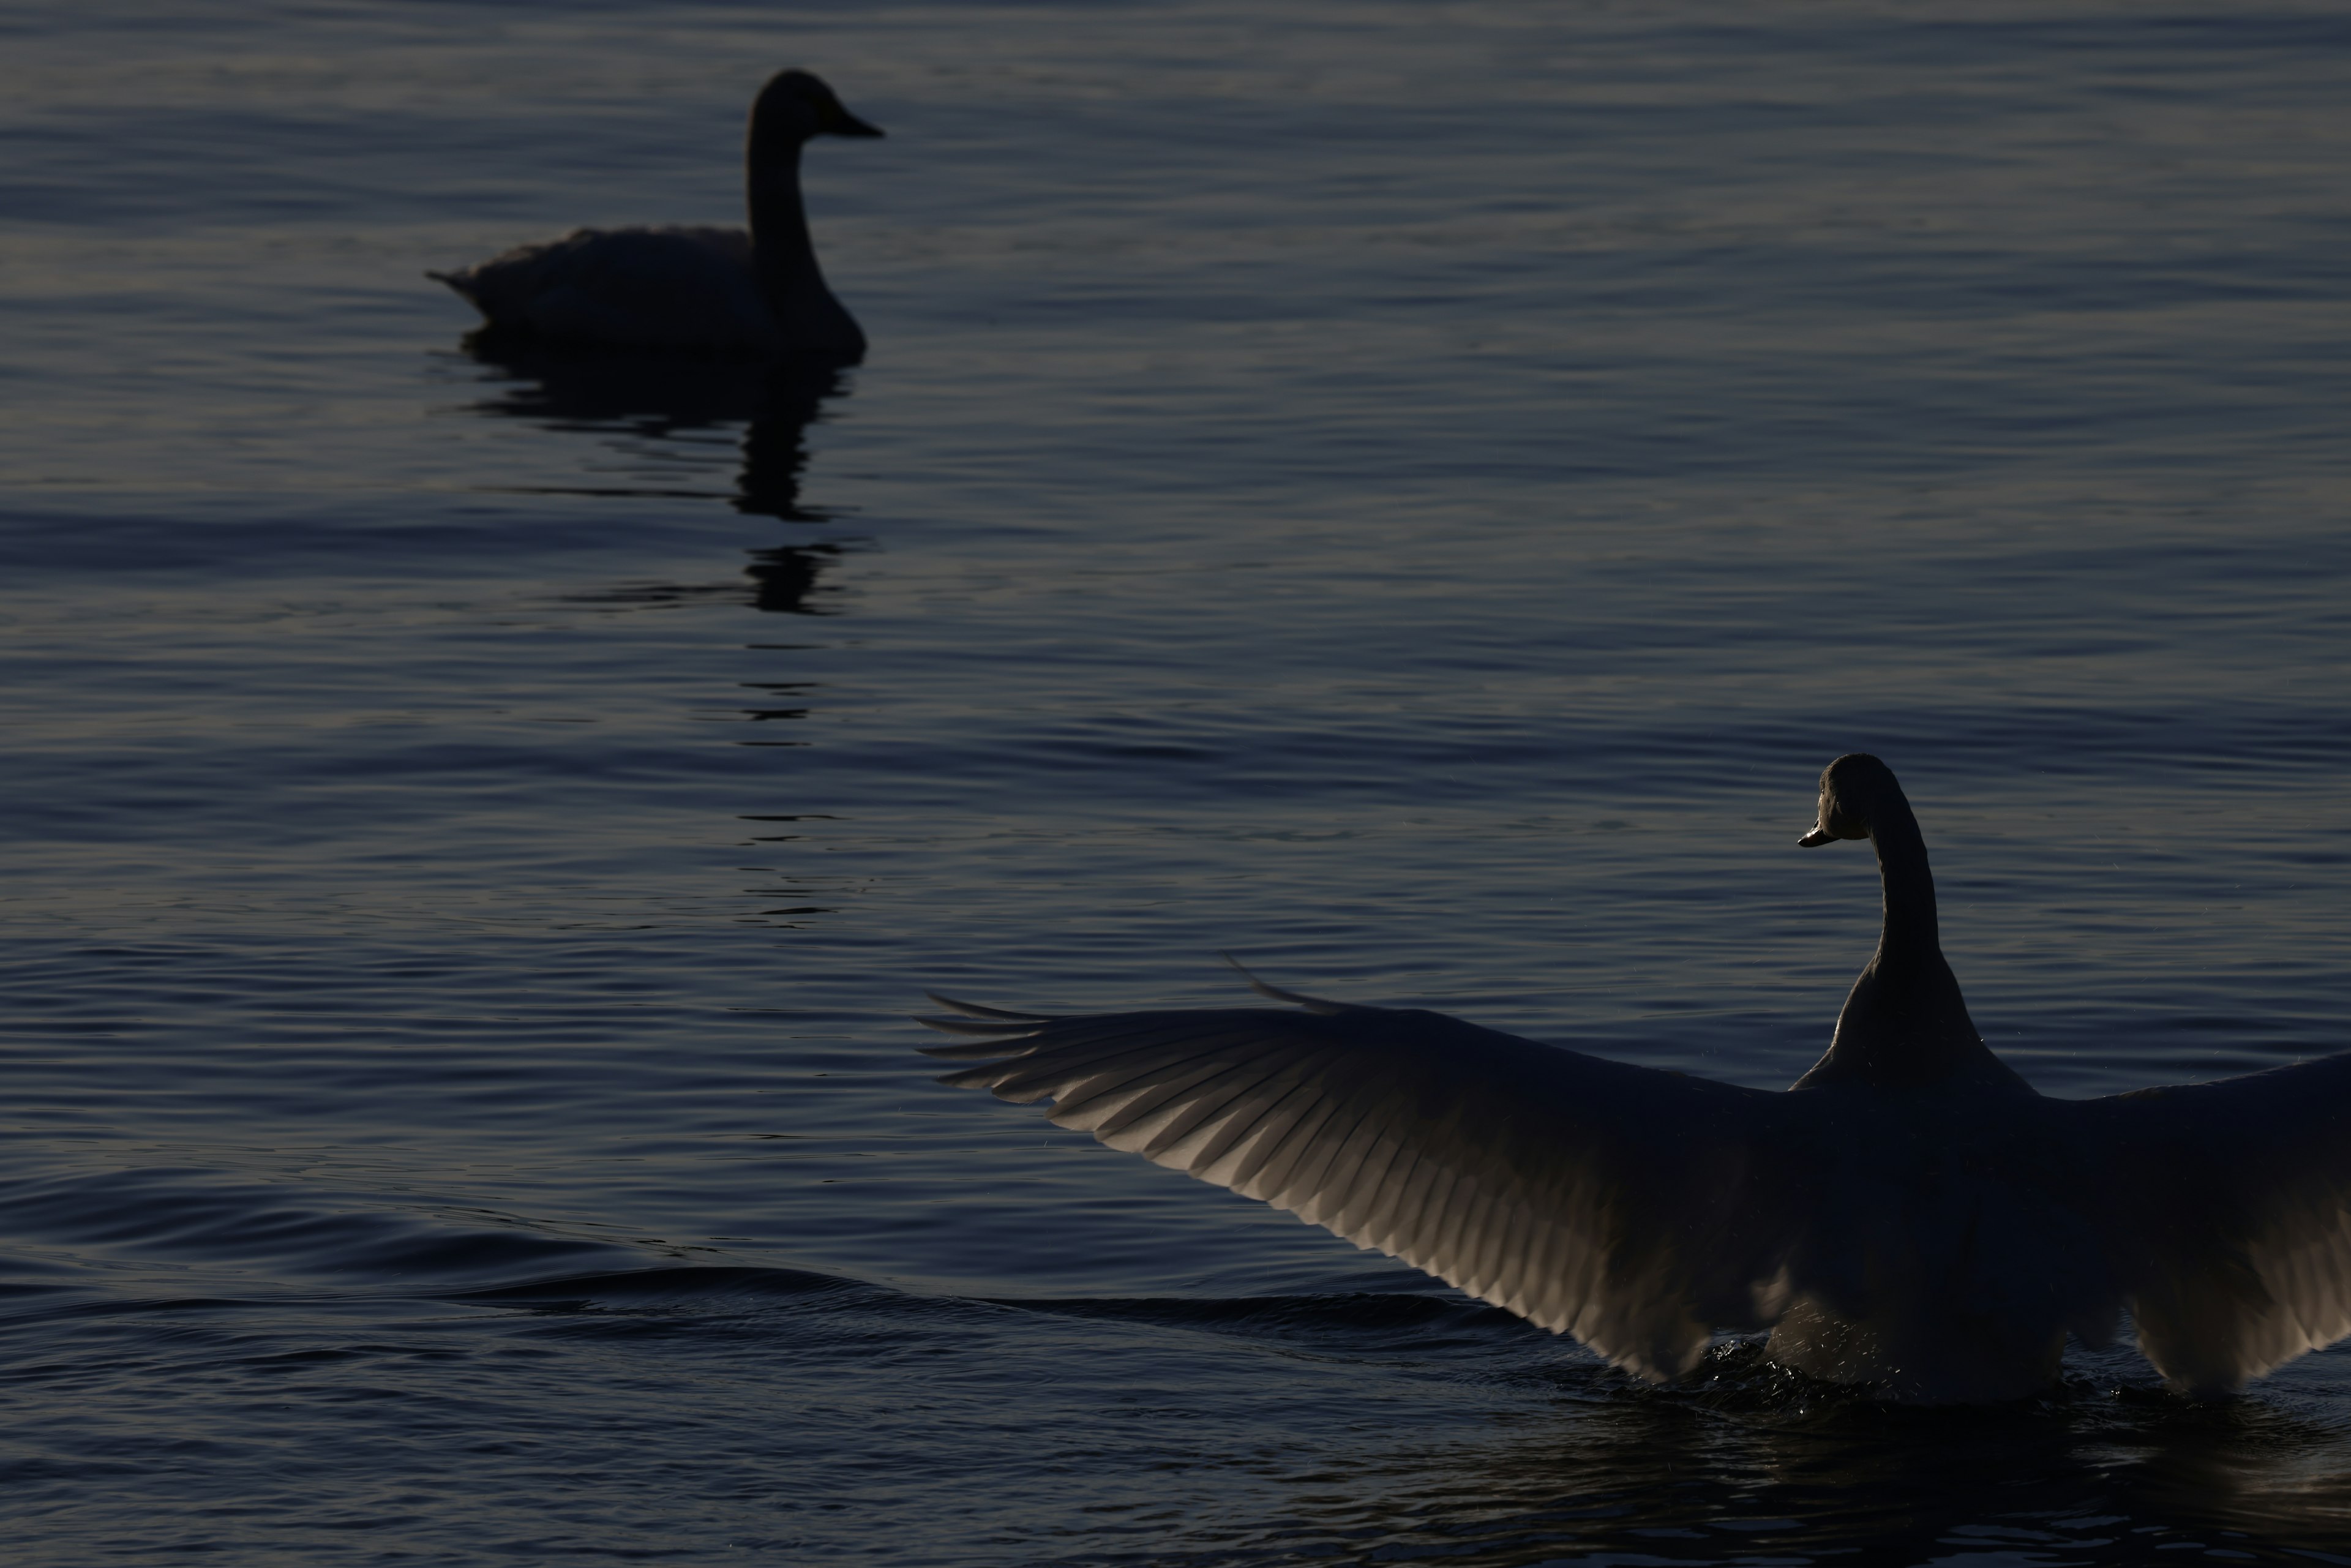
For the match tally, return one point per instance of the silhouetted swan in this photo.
(1911, 1214)
(706, 288)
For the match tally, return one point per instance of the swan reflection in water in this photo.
(670, 414)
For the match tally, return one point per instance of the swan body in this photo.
(1911, 1214)
(714, 289)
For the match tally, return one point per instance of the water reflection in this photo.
(1736, 1469)
(1487, 1442)
(670, 415)
(785, 579)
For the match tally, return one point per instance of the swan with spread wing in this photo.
(1911, 1214)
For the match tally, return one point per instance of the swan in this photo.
(1910, 1215)
(693, 289)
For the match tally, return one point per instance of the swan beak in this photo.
(1819, 835)
(840, 122)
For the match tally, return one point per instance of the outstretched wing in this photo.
(2228, 1217)
(1635, 1209)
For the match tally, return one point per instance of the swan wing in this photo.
(1633, 1208)
(635, 288)
(2228, 1219)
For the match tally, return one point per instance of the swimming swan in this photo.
(1911, 1214)
(706, 288)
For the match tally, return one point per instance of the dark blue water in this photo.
(1411, 494)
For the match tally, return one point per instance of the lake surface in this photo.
(1410, 495)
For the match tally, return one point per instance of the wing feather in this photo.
(989, 1043)
(1326, 1166)
(1322, 1168)
(1224, 1153)
(1571, 1190)
(1427, 1216)
(1126, 1115)
(1231, 1095)
(1270, 1181)
(1354, 1217)
(1479, 1263)
(1424, 1211)
(1201, 1145)
(1047, 1071)
(1516, 1235)
(1131, 1045)
(2228, 1210)
(1231, 1092)
(1263, 1138)
(973, 1010)
(1380, 1224)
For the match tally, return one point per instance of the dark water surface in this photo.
(1410, 494)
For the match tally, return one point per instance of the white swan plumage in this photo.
(727, 290)
(1910, 1215)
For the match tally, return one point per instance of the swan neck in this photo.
(1909, 886)
(1905, 1024)
(808, 319)
(780, 231)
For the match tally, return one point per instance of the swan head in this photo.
(1854, 791)
(796, 105)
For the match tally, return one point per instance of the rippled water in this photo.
(1411, 494)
